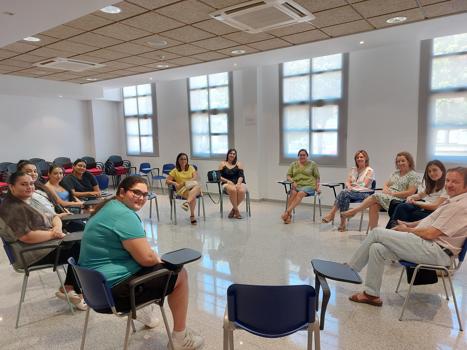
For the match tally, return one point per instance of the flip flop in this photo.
(364, 298)
(193, 220)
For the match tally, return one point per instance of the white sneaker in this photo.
(72, 295)
(191, 341)
(147, 316)
(82, 305)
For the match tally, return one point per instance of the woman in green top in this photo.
(304, 176)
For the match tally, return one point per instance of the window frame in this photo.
(323, 160)
(425, 96)
(230, 118)
(153, 116)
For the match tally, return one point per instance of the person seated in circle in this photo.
(304, 176)
(81, 182)
(22, 225)
(61, 193)
(183, 177)
(233, 181)
(115, 244)
(357, 187)
(402, 183)
(418, 206)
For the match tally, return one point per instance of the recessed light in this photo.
(157, 43)
(394, 20)
(150, 78)
(238, 52)
(163, 65)
(91, 79)
(31, 38)
(111, 9)
(361, 42)
(60, 96)
(235, 64)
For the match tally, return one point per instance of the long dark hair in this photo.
(39, 185)
(126, 184)
(227, 156)
(430, 185)
(63, 184)
(177, 165)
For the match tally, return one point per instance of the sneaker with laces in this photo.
(147, 316)
(190, 341)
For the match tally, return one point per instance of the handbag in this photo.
(214, 176)
(190, 184)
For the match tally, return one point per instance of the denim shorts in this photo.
(310, 191)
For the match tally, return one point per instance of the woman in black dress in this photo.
(233, 181)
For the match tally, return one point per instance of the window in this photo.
(443, 100)
(140, 120)
(210, 110)
(314, 108)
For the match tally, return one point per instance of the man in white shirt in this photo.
(432, 240)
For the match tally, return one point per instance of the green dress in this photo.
(304, 176)
(398, 184)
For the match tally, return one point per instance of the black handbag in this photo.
(214, 176)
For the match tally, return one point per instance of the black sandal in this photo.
(193, 220)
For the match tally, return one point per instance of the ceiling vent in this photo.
(68, 64)
(260, 15)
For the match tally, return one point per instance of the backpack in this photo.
(214, 176)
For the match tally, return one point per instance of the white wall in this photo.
(44, 128)
(383, 107)
(383, 104)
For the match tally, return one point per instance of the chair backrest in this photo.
(461, 255)
(42, 167)
(373, 185)
(96, 291)
(64, 162)
(11, 168)
(90, 162)
(167, 168)
(271, 311)
(115, 160)
(36, 160)
(102, 181)
(8, 251)
(143, 167)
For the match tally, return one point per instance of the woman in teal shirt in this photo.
(304, 176)
(114, 243)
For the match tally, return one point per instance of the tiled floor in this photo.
(258, 250)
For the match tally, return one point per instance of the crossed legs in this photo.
(374, 207)
(295, 198)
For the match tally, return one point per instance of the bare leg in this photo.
(178, 301)
(241, 190)
(330, 215)
(232, 191)
(368, 202)
(373, 216)
(295, 201)
(191, 198)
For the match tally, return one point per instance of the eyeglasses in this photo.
(139, 194)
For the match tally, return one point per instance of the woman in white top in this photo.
(357, 187)
(423, 203)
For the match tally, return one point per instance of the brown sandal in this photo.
(237, 215)
(231, 214)
(364, 298)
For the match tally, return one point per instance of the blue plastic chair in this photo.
(157, 176)
(446, 271)
(102, 181)
(98, 295)
(20, 266)
(271, 312)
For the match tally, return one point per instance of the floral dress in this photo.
(398, 183)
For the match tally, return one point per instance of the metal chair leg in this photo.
(408, 293)
(221, 200)
(127, 333)
(314, 208)
(317, 334)
(361, 222)
(225, 327)
(21, 298)
(204, 210)
(400, 279)
(444, 285)
(459, 319)
(86, 320)
(157, 209)
(167, 328)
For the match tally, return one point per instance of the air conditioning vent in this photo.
(260, 15)
(68, 64)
